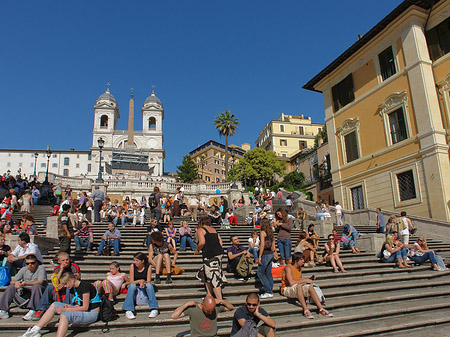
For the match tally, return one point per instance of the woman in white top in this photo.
(253, 242)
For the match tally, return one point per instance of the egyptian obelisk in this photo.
(130, 142)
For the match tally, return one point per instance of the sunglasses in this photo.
(30, 263)
(252, 304)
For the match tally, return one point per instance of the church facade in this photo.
(125, 152)
(129, 151)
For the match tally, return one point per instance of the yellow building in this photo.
(387, 112)
(210, 159)
(288, 135)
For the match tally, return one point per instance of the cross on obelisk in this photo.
(107, 86)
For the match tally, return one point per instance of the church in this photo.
(128, 151)
(124, 152)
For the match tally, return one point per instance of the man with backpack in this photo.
(247, 318)
(155, 205)
(240, 260)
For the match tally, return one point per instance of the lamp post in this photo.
(35, 162)
(100, 143)
(48, 154)
(233, 154)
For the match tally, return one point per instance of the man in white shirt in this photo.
(24, 248)
(338, 210)
(139, 214)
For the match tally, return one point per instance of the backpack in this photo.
(244, 267)
(107, 312)
(249, 329)
(152, 200)
(319, 295)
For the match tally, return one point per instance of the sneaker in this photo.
(266, 295)
(129, 314)
(308, 314)
(153, 313)
(157, 279)
(37, 316)
(240, 279)
(31, 333)
(169, 280)
(325, 312)
(29, 316)
(4, 314)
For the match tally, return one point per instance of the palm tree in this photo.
(202, 160)
(226, 123)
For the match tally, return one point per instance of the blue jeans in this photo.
(129, 305)
(264, 273)
(123, 221)
(79, 242)
(78, 317)
(397, 255)
(255, 253)
(427, 256)
(187, 239)
(115, 243)
(284, 245)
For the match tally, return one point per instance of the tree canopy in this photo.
(226, 123)
(261, 166)
(187, 171)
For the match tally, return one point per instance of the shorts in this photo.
(264, 330)
(291, 291)
(78, 317)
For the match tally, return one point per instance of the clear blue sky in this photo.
(205, 56)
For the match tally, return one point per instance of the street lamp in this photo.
(100, 143)
(233, 154)
(35, 162)
(48, 154)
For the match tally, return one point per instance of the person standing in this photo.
(210, 243)
(155, 204)
(381, 223)
(98, 196)
(57, 191)
(267, 253)
(35, 194)
(65, 230)
(338, 212)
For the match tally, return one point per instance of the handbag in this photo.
(387, 254)
(5, 275)
(141, 297)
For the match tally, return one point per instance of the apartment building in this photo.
(387, 112)
(288, 135)
(210, 159)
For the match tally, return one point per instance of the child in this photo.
(115, 280)
(83, 310)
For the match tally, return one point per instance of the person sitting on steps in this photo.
(294, 286)
(161, 249)
(111, 238)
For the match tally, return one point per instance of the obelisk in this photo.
(130, 142)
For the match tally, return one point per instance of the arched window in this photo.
(152, 123)
(104, 122)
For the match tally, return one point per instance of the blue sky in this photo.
(205, 56)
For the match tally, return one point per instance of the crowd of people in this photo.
(270, 242)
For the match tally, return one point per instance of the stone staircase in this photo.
(370, 299)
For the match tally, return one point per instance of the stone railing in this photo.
(145, 187)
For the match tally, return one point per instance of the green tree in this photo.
(261, 166)
(321, 135)
(226, 123)
(293, 180)
(187, 171)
